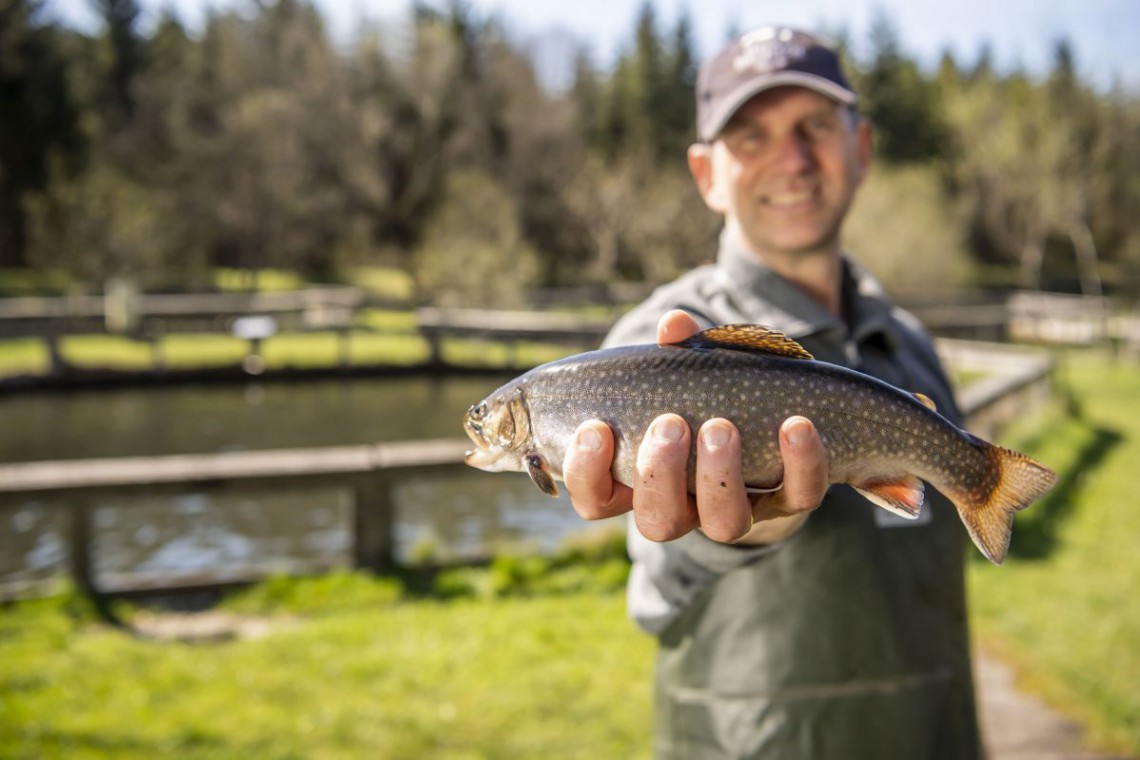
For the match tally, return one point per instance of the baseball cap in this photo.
(761, 59)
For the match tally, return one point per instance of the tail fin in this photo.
(1018, 481)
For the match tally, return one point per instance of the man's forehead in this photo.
(789, 100)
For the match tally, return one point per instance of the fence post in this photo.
(373, 523)
(81, 536)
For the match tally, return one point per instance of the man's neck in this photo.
(817, 273)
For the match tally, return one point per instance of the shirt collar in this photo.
(776, 301)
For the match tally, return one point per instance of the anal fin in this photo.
(901, 495)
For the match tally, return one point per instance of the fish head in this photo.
(499, 426)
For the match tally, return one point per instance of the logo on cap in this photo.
(768, 49)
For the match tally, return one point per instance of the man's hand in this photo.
(662, 506)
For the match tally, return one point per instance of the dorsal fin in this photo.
(747, 338)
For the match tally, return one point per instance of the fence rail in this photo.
(283, 464)
(369, 471)
(1017, 382)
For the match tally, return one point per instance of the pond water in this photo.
(235, 532)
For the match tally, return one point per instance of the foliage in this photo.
(900, 101)
(473, 249)
(144, 151)
(40, 114)
(334, 592)
(594, 563)
(906, 231)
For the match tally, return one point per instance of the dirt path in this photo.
(1018, 726)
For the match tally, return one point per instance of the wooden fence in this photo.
(1015, 384)
(369, 471)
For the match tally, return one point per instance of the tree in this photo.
(1024, 153)
(900, 101)
(473, 251)
(39, 116)
(100, 225)
(127, 57)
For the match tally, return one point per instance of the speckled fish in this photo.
(882, 441)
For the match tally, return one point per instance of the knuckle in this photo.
(662, 525)
(723, 532)
(724, 509)
(588, 510)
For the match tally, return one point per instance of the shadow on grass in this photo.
(1037, 530)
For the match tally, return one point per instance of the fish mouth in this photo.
(479, 458)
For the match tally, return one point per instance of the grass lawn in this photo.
(388, 338)
(1064, 610)
(551, 676)
(501, 669)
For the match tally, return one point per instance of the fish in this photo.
(881, 440)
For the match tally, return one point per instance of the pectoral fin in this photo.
(540, 473)
(926, 401)
(902, 495)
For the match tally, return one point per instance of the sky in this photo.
(1104, 33)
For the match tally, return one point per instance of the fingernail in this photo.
(715, 437)
(668, 430)
(588, 440)
(798, 432)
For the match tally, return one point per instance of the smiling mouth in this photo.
(789, 199)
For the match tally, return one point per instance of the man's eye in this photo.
(819, 125)
(747, 140)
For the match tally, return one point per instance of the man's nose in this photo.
(793, 153)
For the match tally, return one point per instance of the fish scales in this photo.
(628, 387)
(878, 438)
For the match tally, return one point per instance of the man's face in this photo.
(784, 170)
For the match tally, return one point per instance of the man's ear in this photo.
(701, 167)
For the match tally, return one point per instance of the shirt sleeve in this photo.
(667, 576)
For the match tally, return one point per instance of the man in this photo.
(807, 623)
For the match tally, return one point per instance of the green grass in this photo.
(23, 356)
(388, 338)
(1065, 608)
(263, 280)
(537, 662)
(386, 282)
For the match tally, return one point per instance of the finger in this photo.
(805, 466)
(586, 471)
(674, 326)
(661, 503)
(722, 505)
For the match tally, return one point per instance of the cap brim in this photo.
(732, 103)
